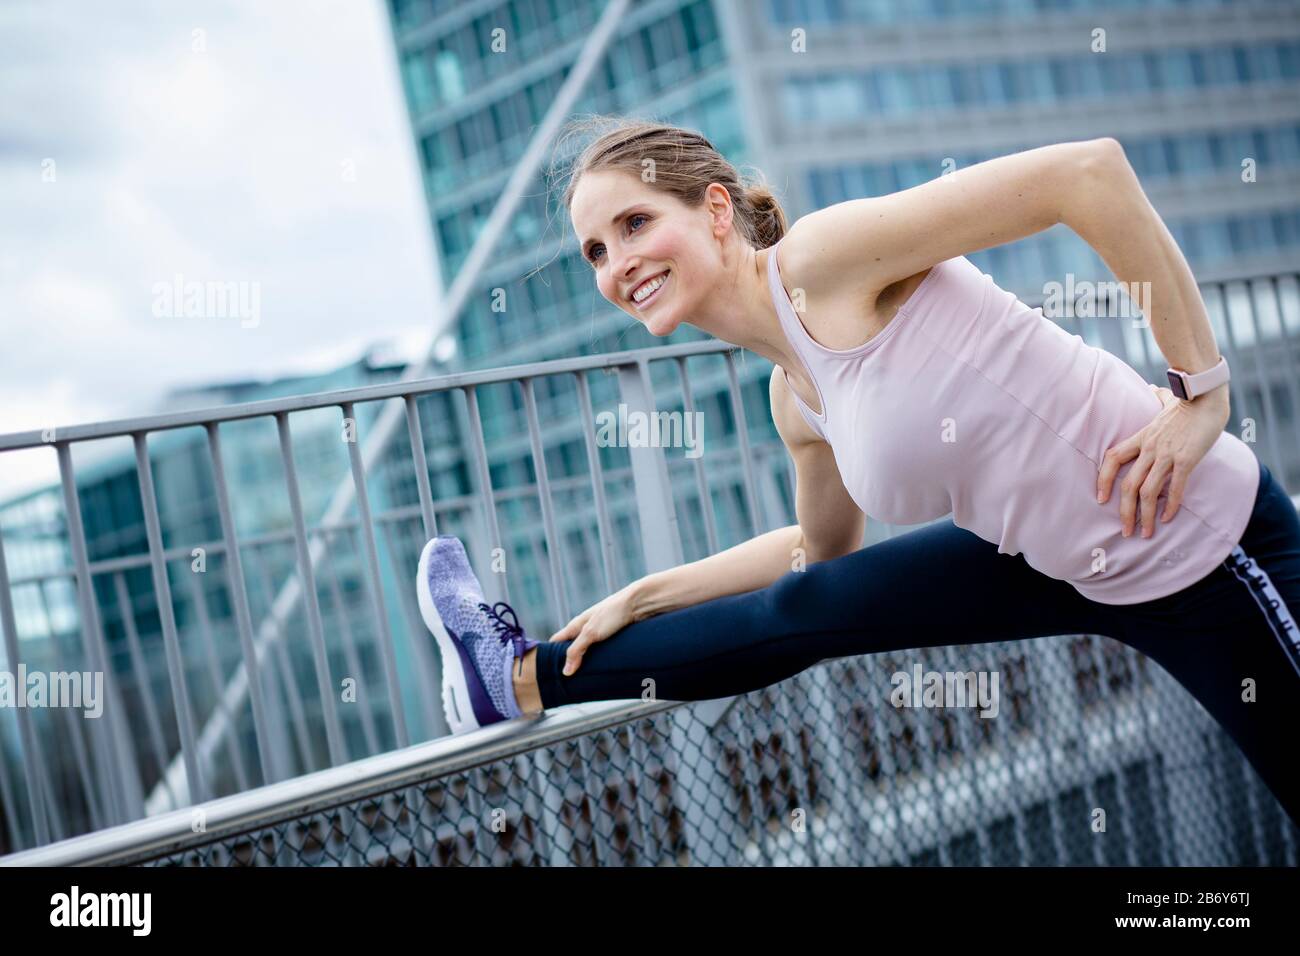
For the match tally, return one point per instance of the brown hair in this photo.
(685, 163)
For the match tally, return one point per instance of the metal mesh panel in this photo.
(823, 769)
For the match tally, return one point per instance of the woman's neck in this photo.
(740, 309)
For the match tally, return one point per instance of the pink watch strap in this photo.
(1187, 385)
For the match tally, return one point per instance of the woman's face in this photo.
(631, 232)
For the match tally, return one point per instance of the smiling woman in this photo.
(638, 191)
(938, 394)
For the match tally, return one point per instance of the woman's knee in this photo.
(827, 594)
(788, 595)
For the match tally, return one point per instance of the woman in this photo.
(907, 385)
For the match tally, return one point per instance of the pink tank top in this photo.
(970, 402)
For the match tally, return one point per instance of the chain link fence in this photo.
(1095, 757)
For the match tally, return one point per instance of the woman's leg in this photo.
(1231, 640)
(935, 586)
(942, 585)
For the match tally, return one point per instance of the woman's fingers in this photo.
(1115, 456)
(1150, 495)
(1129, 489)
(573, 656)
(570, 630)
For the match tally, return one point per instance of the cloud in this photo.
(276, 153)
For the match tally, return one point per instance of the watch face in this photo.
(1177, 386)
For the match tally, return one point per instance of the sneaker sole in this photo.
(456, 705)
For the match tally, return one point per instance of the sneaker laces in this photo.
(508, 631)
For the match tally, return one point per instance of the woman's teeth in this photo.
(648, 291)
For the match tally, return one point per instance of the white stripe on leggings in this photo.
(1278, 615)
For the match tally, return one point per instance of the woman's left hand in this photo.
(1172, 444)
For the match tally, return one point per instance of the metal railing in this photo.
(821, 739)
(109, 772)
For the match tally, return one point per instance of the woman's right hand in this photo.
(603, 619)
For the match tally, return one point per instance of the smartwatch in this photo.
(1188, 385)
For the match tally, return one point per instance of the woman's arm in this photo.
(1121, 224)
(750, 565)
(863, 246)
(830, 524)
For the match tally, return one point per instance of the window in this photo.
(1176, 68)
(1287, 59)
(451, 82)
(993, 90)
(897, 94)
(1287, 228)
(1262, 143)
(936, 88)
(1036, 81)
(1243, 65)
(701, 30)
(1220, 67)
(1193, 153)
(1153, 78)
(419, 86)
(1289, 144)
(1147, 157)
(1214, 236)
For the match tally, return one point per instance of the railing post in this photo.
(40, 823)
(80, 753)
(554, 546)
(334, 737)
(660, 540)
(603, 528)
(112, 746)
(153, 723)
(383, 634)
(701, 482)
(483, 475)
(737, 396)
(234, 568)
(197, 782)
(415, 433)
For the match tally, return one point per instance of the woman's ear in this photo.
(721, 210)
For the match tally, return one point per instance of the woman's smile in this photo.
(661, 279)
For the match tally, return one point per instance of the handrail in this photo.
(217, 414)
(169, 832)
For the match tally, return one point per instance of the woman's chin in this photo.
(660, 327)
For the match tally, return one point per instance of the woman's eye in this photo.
(592, 255)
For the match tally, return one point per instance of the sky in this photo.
(254, 147)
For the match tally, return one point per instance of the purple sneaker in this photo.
(479, 642)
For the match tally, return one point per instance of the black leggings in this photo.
(940, 585)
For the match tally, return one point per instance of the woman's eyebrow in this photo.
(586, 246)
